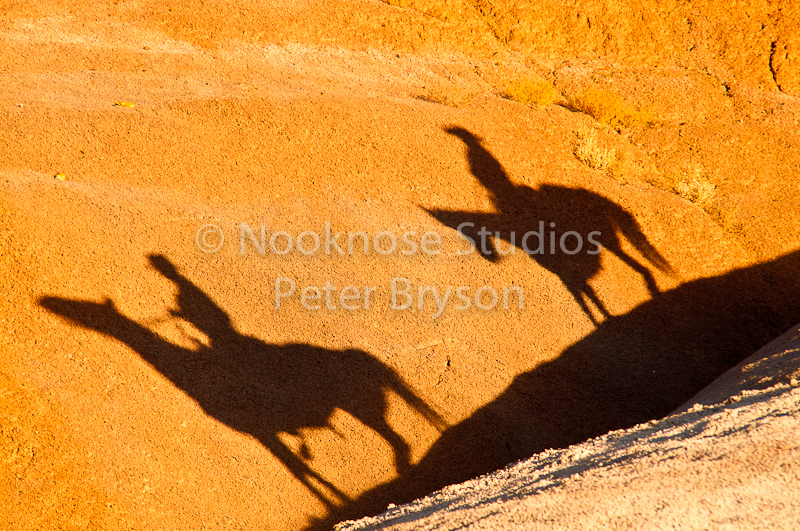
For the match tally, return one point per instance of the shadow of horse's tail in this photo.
(415, 402)
(627, 225)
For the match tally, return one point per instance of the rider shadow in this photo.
(258, 388)
(562, 229)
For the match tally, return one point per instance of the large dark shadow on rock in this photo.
(258, 388)
(633, 368)
(561, 228)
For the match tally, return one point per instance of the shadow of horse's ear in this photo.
(162, 264)
(462, 133)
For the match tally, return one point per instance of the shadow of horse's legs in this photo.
(634, 264)
(302, 472)
(375, 419)
(580, 291)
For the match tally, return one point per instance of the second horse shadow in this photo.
(258, 388)
(563, 229)
(631, 369)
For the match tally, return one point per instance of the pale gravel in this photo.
(728, 460)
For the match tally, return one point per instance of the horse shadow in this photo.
(258, 388)
(631, 369)
(563, 229)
